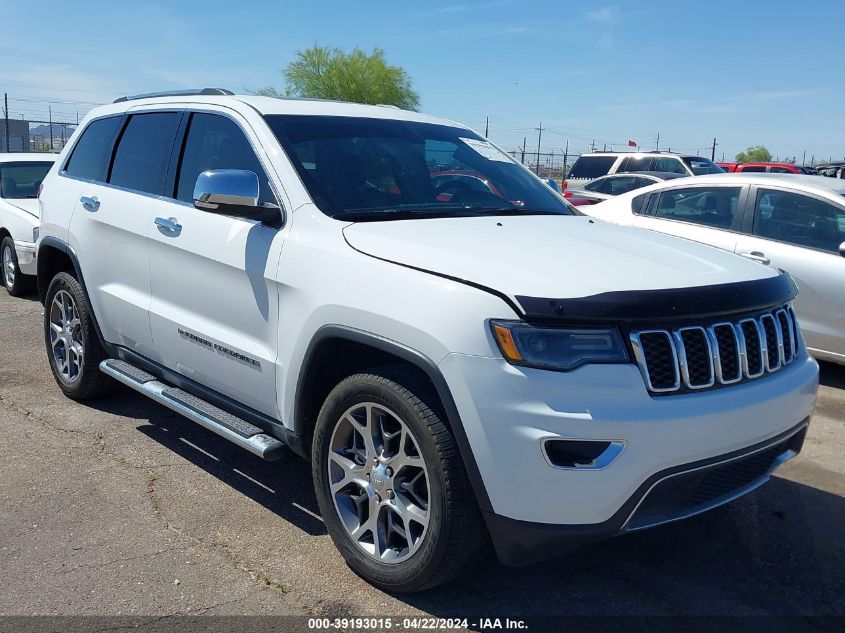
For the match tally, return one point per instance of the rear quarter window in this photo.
(591, 167)
(638, 204)
(91, 155)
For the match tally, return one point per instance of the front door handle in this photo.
(757, 256)
(90, 203)
(169, 224)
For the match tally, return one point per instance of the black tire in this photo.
(454, 533)
(17, 284)
(88, 381)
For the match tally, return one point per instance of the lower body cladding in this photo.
(572, 457)
(26, 257)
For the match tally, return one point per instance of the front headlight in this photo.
(558, 348)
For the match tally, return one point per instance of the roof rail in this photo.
(176, 93)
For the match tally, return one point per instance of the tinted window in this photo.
(701, 166)
(671, 165)
(21, 180)
(751, 168)
(623, 184)
(591, 167)
(90, 157)
(143, 151)
(638, 202)
(781, 170)
(216, 142)
(637, 163)
(798, 219)
(595, 185)
(380, 169)
(708, 206)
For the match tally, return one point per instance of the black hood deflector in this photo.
(700, 302)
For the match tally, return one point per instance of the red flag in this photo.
(632, 143)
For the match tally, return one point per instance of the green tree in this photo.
(756, 154)
(321, 72)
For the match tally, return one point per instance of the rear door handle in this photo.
(757, 256)
(90, 203)
(169, 224)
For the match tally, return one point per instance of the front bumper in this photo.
(26, 257)
(508, 413)
(670, 495)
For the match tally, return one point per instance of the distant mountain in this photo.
(44, 131)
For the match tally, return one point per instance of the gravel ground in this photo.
(124, 508)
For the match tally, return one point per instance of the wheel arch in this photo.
(56, 256)
(359, 351)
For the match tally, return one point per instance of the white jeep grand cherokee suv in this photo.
(452, 359)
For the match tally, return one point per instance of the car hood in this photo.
(30, 205)
(551, 256)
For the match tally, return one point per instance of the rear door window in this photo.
(90, 157)
(750, 168)
(622, 184)
(798, 219)
(671, 165)
(591, 167)
(637, 163)
(708, 206)
(143, 151)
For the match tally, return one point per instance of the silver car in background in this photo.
(792, 222)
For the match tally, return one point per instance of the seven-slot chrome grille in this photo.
(695, 357)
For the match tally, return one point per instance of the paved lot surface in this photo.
(121, 507)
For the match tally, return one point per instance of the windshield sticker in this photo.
(487, 150)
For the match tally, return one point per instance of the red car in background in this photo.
(772, 168)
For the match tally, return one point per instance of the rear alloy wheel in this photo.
(390, 482)
(71, 339)
(17, 284)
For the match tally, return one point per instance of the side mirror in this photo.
(842, 249)
(231, 192)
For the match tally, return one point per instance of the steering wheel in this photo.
(457, 186)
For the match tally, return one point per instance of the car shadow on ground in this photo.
(284, 487)
(777, 551)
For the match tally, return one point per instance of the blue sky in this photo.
(745, 71)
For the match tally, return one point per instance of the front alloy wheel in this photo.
(379, 482)
(70, 337)
(9, 266)
(391, 485)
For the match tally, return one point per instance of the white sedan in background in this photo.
(793, 222)
(20, 176)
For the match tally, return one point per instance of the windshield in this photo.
(701, 166)
(362, 169)
(21, 180)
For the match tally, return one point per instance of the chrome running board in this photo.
(228, 426)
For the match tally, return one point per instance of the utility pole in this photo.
(565, 157)
(50, 109)
(487, 127)
(539, 138)
(605, 147)
(593, 146)
(804, 160)
(713, 151)
(6, 116)
(524, 140)
(657, 149)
